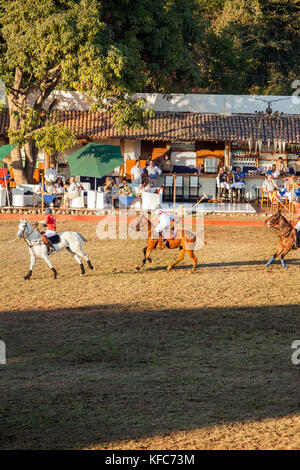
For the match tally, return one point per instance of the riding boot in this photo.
(298, 239)
(49, 245)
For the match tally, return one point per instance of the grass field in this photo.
(120, 359)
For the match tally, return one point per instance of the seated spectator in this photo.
(124, 189)
(152, 170)
(59, 186)
(71, 193)
(239, 182)
(107, 189)
(136, 173)
(166, 165)
(144, 187)
(269, 184)
(51, 174)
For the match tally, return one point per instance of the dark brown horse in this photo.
(287, 237)
(184, 240)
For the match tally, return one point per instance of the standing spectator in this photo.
(136, 173)
(152, 170)
(51, 174)
(281, 166)
(166, 165)
(297, 166)
(275, 172)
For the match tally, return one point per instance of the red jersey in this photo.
(51, 222)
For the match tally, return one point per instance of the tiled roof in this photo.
(184, 127)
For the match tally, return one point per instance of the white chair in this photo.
(150, 201)
(168, 187)
(86, 186)
(179, 188)
(2, 197)
(78, 202)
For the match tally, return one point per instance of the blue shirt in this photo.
(239, 175)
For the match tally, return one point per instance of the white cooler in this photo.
(150, 201)
(91, 198)
(2, 197)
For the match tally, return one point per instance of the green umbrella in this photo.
(4, 151)
(95, 160)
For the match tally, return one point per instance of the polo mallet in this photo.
(12, 241)
(203, 197)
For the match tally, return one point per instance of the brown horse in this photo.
(184, 240)
(287, 237)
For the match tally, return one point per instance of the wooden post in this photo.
(42, 193)
(46, 162)
(174, 193)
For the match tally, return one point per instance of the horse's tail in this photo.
(82, 237)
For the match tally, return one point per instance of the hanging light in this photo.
(275, 145)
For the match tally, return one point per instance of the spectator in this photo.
(152, 170)
(136, 173)
(51, 174)
(72, 192)
(124, 189)
(275, 172)
(281, 166)
(269, 184)
(144, 187)
(107, 189)
(297, 166)
(239, 182)
(59, 186)
(166, 165)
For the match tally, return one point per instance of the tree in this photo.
(109, 50)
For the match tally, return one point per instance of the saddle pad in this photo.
(54, 239)
(170, 234)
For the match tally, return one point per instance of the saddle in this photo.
(169, 234)
(55, 239)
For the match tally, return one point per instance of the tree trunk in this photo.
(30, 163)
(16, 157)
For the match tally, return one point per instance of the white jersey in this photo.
(297, 226)
(164, 220)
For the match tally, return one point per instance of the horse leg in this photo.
(180, 258)
(144, 251)
(194, 258)
(32, 263)
(147, 252)
(278, 253)
(47, 260)
(78, 259)
(76, 249)
(283, 254)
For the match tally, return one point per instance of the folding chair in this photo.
(168, 187)
(194, 187)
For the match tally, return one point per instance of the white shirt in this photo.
(73, 188)
(51, 175)
(297, 226)
(154, 171)
(276, 174)
(269, 185)
(136, 174)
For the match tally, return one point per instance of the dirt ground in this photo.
(120, 359)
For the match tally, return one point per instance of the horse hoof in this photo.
(150, 260)
(138, 268)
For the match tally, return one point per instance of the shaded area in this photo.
(83, 376)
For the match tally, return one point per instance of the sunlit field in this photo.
(152, 359)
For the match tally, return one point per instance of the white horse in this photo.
(71, 241)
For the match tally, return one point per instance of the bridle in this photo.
(142, 225)
(26, 235)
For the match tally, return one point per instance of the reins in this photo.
(27, 241)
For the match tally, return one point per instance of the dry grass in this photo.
(151, 359)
